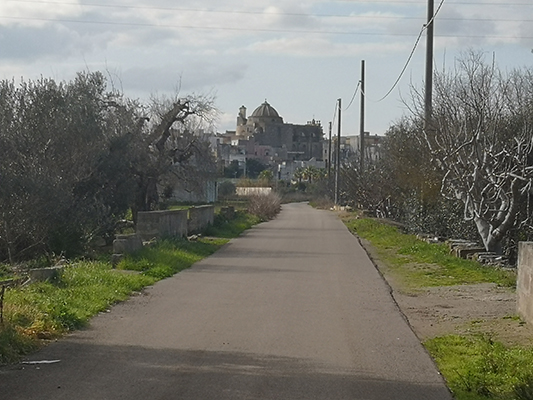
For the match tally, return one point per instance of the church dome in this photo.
(265, 110)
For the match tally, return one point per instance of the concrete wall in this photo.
(152, 224)
(200, 218)
(155, 224)
(252, 191)
(524, 285)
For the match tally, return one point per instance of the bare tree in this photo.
(481, 137)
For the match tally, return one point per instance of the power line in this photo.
(222, 28)
(335, 113)
(415, 2)
(353, 97)
(424, 27)
(262, 12)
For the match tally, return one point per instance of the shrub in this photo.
(265, 206)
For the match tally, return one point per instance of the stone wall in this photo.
(524, 285)
(200, 218)
(152, 224)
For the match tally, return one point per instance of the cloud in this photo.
(290, 16)
(33, 43)
(322, 47)
(200, 76)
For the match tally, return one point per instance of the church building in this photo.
(287, 142)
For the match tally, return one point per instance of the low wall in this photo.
(524, 284)
(156, 224)
(228, 212)
(125, 244)
(152, 224)
(252, 191)
(200, 218)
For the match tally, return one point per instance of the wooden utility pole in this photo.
(428, 107)
(338, 157)
(362, 117)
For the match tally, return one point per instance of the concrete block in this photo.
(465, 251)
(524, 284)
(155, 224)
(200, 218)
(45, 274)
(228, 212)
(125, 244)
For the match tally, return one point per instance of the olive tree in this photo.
(53, 139)
(75, 156)
(169, 148)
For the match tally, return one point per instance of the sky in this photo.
(300, 56)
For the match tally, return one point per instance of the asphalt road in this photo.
(293, 309)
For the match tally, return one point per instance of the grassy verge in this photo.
(229, 229)
(474, 366)
(419, 264)
(39, 312)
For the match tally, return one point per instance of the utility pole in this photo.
(362, 117)
(428, 107)
(329, 154)
(338, 157)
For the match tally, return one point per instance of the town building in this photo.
(264, 136)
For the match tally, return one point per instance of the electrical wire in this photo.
(262, 12)
(353, 97)
(212, 28)
(413, 2)
(424, 27)
(335, 114)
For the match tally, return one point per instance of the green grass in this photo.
(230, 229)
(421, 264)
(43, 311)
(48, 309)
(170, 256)
(478, 368)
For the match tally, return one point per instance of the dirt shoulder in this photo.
(464, 309)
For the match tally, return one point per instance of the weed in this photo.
(476, 367)
(524, 389)
(13, 343)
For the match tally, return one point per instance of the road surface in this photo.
(293, 309)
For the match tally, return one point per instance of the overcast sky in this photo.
(299, 55)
